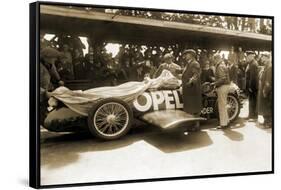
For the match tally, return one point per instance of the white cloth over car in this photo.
(81, 101)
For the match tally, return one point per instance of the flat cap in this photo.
(190, 51)
(250, 53)
(167, 56)
(265, 54)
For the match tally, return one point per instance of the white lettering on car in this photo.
(161, 100)
(157, 98)
(168, 95)
(179, 105)
(146, 106)
(207, 110)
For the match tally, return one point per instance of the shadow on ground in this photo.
(59, 150)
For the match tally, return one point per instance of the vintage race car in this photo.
(109, 112)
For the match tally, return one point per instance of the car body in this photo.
(111, 118)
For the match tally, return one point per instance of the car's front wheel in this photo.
(110, 119)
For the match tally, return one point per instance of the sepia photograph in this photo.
(135, 94)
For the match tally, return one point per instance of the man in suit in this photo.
(222, 82)
(241, 69)
(265, 91)
(49, 77)
(191, 84)
(169, 65)
(233, 66)
(252, 83)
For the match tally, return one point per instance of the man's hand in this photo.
(188, 84)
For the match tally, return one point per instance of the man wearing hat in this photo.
(252, 83)
(222, 81)
(168, 65)
(49, 77)
(191, 84)
(265, 91)
(233, 65)
(65, 66)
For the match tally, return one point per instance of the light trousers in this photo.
(222, 92)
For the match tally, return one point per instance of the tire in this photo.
(233, 103)
(231, 116)
(110, 119)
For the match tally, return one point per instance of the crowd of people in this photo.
(64, 60)
(131, 63)
(257, 82)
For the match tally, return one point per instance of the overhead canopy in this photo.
(128, 29)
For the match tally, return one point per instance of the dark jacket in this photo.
(207, 75)
(79, 67)
(252, 77)
(192, 96)
(265, 91)
(45, 78)
(233, 73)
(49, 76)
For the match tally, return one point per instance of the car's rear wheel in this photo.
(233, 107)
(110, 119)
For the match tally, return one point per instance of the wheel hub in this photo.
(111, 119)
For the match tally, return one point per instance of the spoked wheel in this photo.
(233, 107)
(110, 119)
